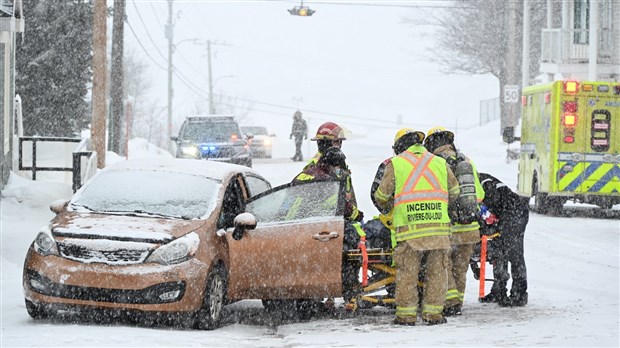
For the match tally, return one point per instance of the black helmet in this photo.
(333, 157)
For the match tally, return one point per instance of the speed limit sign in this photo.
(511, 94)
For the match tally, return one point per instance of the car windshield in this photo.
(208, 131)
(149, 192)
(255, 130)
(284, 203)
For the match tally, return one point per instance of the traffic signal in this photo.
(303, 11)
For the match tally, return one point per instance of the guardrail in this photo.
(75, 169)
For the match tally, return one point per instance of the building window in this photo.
(582, 21)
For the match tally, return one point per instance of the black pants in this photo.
(509, 247)
(298, 155)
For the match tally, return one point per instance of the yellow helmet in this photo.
(438, 130)
(403, 131)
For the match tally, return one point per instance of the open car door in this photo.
(295, 251)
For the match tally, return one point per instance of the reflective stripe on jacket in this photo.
(420, 195)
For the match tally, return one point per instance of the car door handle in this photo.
(325, 236)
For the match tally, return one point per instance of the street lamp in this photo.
(211, 86)
(301, 10)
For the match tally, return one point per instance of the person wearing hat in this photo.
(465, 229)
(329, 134)
(300, 132)
(421, 189)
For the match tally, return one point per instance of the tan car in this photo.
(182, 238)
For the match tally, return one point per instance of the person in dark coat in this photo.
(299, 131)
(512, 213)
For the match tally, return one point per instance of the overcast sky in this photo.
(353, 62)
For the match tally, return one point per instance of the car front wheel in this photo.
(209, 316)
(37, 311)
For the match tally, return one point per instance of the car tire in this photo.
(210, 315)
(37, 311)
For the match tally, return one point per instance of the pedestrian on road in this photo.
(300, 132)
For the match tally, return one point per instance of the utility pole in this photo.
(169, 36)
(211, 103)
(116, 88)
(97, 130)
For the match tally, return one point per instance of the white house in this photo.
(11, 23)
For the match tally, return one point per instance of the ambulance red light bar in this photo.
(570, 120)
(571, 87)
(570, 106)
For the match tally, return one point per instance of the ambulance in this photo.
(570, 144)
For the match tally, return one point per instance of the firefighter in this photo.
(329, 134)
(300, 132)
(418, 186)
(465, 229)
(332, 166)
(512, 213)
(379, 227)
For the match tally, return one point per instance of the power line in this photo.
(142, 46)
(147, 31)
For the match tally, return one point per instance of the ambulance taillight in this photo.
(570, 106)
(571, 87)
(570, 120)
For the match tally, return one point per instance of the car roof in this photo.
(210, 169)
(202, 118)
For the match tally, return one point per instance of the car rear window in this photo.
(149, 192)
(206, 131)
(254, 130)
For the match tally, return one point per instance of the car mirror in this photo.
(174, 138)
(272, 135)
(249, 136)
(243, 221)
(59, 206)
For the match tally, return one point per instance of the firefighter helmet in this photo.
(329, 131)
(405, 138)
(439, 130)
(403, 131)
(437, 137)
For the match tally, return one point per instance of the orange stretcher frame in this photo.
(379, 263)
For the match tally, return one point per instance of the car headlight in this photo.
(44, 243)
(190, 150)
(178, 250)
(267, 142)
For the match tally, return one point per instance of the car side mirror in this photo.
(272, 135)
(59, 206)
(174, 138)
(249, 136)
(243, 222)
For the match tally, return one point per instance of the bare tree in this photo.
(476, 36)
(147, 119)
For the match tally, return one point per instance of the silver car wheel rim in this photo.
(216, 297)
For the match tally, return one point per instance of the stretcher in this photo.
(378, 278)
(378, 275)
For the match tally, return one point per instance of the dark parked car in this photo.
(214, 138)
